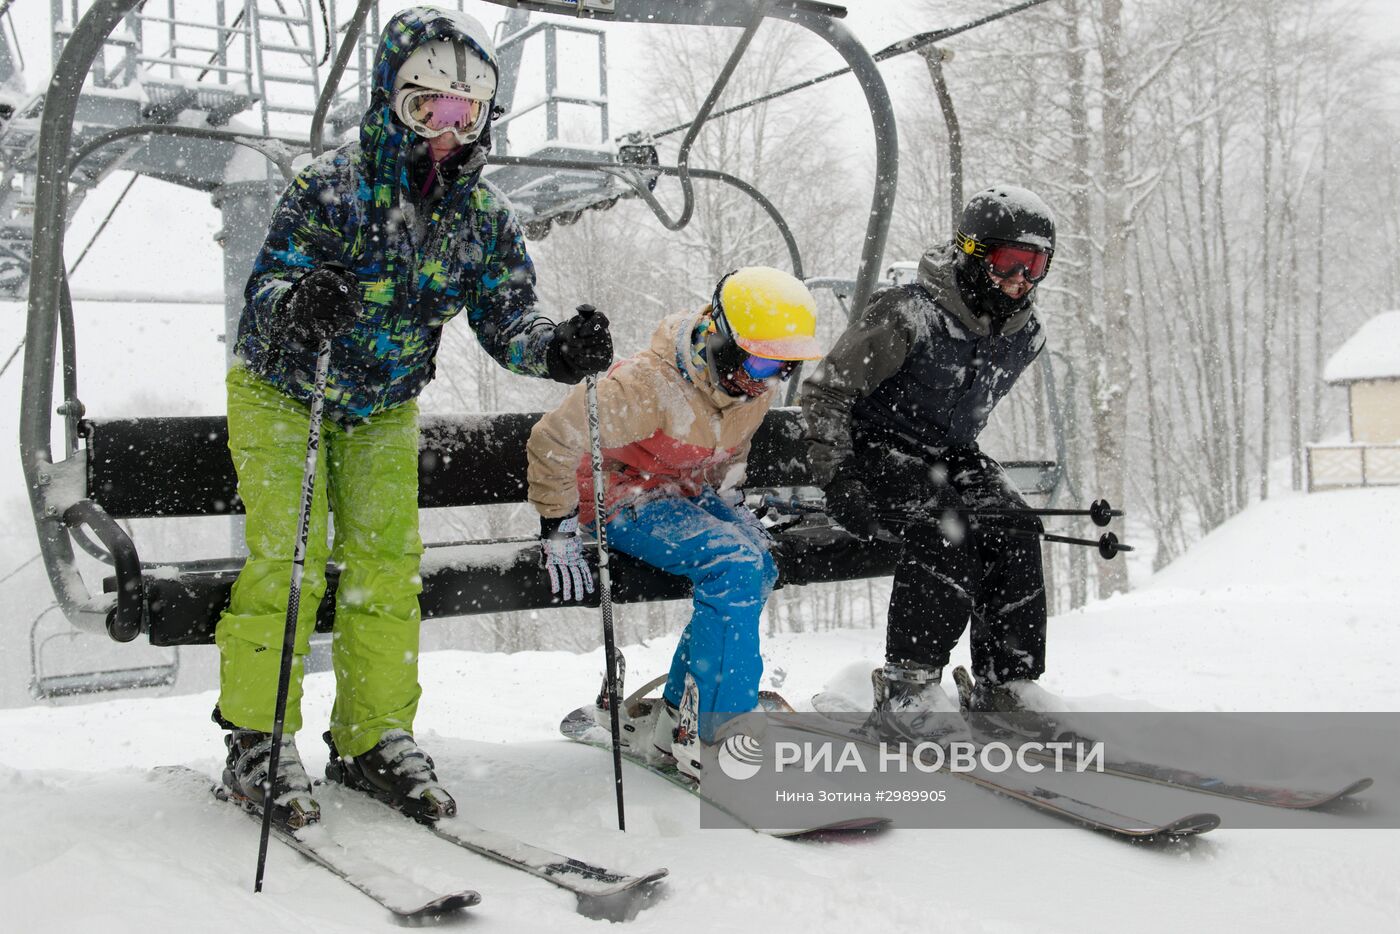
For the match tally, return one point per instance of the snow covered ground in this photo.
(1291, 606)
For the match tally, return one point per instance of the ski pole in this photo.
(604, 579)
(289, 632)
(1100, 511)
(1107, 543)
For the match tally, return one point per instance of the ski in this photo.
(588, 725)
(984, 730)
(1028, 792)
(581, 727)
(602, 893)
(389, 887)
(1185, 779)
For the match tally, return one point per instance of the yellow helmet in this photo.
(769, 313)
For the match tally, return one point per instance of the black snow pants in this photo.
(951, 568)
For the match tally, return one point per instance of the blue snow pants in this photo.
(726, 560)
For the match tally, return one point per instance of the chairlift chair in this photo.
(114, 469)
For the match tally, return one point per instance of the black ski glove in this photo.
(849, 502)
(581, 345)
(324, 303)
(824, 459)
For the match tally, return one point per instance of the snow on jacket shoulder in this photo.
(356, 206)
(664, 433)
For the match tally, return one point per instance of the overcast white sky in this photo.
(875, 22)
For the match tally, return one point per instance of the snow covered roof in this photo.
(1373, 352)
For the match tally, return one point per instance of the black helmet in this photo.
(1006, 214)
(1000, 215)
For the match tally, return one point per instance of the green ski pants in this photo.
(370, 474)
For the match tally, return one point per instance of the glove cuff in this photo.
(560, 527)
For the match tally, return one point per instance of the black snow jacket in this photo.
(919, 371)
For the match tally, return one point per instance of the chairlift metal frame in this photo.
(46, 684)
(61, 491)
(58, 488)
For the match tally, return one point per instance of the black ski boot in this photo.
(910, 705)
(1020, 706)
(245, 774)
(397, 772)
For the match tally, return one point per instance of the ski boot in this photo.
(686, 744)
(638, 727)
(677, 732)
(663, 732)
(1021, 706)
(635, 726)
(911, 706)
(245, 775)
(397, 772)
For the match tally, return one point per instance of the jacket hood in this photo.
(672, 342)
(937, 271)
(416, 26)
(380, 133)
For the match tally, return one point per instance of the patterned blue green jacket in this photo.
(356, 206)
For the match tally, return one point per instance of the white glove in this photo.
(570, 577)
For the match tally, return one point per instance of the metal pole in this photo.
(289, 632)
(347, 48)
(46, 274)
(877, 99)
(696, 125)
(604, 577)
(1107, 544)
(934, 57)
(1100, 512)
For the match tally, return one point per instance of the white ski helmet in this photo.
(438, 76)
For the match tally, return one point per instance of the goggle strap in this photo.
(970, 245)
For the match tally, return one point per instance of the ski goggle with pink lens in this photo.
(432, 113)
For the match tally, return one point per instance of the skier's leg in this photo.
(935, 576)
(931, 599)
(730, 576)
(374, 498)
(717, 506)
(1008, 633)
(267, 439)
